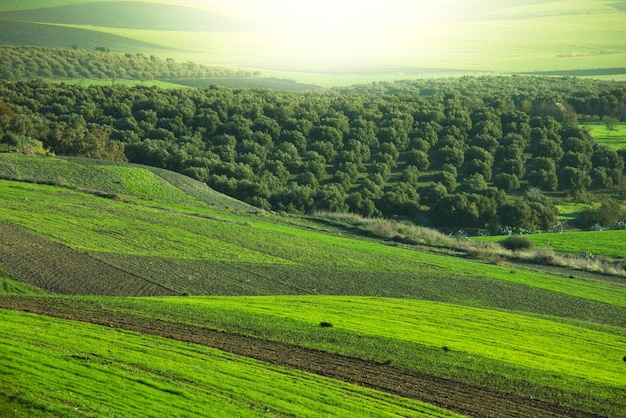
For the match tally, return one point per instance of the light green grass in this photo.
(615, 139)
(610, 244)
(128, 180)
(52, 367)
(9, 286)
(578, 363)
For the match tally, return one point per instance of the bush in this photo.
(517, 243)
(325, 324)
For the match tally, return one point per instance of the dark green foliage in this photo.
(30, 62)
(607, 215)
(515, 214)
(517, 243)
(400, 153)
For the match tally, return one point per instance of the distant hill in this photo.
(132, 15)
(23, 33)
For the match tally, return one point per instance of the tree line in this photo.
(19, 63)
(475, 152)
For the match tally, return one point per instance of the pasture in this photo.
(610, 243)
(615, 139)
(218, 251)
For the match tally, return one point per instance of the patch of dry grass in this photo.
(488, 251)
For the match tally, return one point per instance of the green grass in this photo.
(615, 139)
(576, 362)
(51, 367)
(128, 180)
(610, 243)
(9, 286)
(549, 336)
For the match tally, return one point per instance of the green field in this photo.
(556, 337)
(71, 369)
(601, 243)
(615, 139)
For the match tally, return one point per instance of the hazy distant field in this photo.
(489, 37)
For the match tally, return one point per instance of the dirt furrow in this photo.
(57, 268)
(452, 395)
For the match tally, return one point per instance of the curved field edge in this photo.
(128, 180)
(75, 369)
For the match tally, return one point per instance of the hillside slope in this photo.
(202, 244)
(436, 327)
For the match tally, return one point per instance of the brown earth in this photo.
(455, 396)
(57, 268)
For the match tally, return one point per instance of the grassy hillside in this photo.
(529, 336)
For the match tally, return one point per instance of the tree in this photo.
(432, 193)
(418, 158)
(611, 124)
(515, 214)
(402, 200)
(9, 139)
(541, 173)
(507, 182)
(454, 210)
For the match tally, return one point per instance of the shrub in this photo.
(324, 324)
(517, 243)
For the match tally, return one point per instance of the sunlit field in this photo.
(360, 42)
(615, 139)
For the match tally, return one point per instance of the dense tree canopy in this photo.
(453, 153)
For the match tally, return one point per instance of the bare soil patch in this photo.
(452, 395)
(56, 268)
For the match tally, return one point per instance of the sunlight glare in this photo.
(352, 31)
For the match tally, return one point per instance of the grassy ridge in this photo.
(54, 36)
(74, 369)
(128, 180)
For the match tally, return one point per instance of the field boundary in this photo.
(454, 396)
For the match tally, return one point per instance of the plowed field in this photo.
(455, 396)
(57, 268)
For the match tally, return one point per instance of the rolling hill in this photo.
(411, 320)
